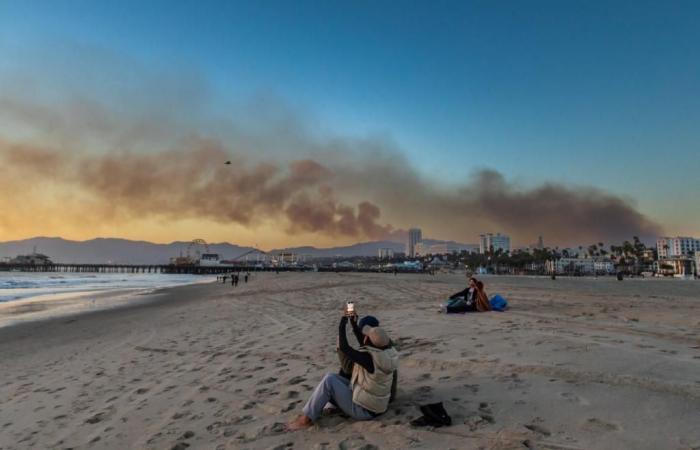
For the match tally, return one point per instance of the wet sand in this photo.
(575, 364)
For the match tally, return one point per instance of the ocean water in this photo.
(25, 285)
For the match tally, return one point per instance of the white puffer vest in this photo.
(372, 391)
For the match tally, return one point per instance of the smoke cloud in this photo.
(302, 194)
(197, 183)
(165, 159)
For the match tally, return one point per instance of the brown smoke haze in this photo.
(85, 163)
(196, 183)
(304, 195)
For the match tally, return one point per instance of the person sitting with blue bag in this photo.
(471, 299)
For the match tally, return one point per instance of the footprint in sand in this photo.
(573, 398)
(538, 429)
(356, 444)
(424, 390)
(473, 388)
(595, 424)
(296, 380)
(292, 394)
(268, 380)
(476, 421)
(241, 420)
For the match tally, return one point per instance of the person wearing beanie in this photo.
(366, 394)
(346, 364)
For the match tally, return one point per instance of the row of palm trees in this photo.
(630, 256)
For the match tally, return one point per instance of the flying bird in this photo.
(228, 163)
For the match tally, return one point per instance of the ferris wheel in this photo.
(197, 248)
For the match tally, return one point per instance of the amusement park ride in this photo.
(198, 254)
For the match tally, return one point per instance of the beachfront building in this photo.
(35, 259)
(669, 247)
(680, 267)
(446, 248)
(490, 242)
(385, 253)
(415, 235)
(604, 266)
(421, 249)
(578, 266)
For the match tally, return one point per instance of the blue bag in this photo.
(498, 303)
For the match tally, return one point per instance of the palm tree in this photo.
(592, 250)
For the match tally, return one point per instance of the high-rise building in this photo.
(668, 247)
(414, 236)
(494, 242)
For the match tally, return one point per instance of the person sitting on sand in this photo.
(471, 299)
(366, 394)
(346, 364)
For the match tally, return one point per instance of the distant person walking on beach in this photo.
(366, 394)
(245, 278)
(471, 299)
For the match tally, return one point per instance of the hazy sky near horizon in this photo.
(369, 117)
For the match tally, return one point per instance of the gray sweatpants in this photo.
(335, 389)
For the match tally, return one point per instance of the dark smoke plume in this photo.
(195, 183)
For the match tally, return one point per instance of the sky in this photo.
(351, 121)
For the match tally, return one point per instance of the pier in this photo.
(135, 268)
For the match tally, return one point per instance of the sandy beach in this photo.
(575, 364)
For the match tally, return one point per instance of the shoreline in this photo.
(46, 306)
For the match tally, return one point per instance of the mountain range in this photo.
(124, 251)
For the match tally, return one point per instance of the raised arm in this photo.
(362, 358)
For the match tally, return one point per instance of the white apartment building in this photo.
(669, 247)
(415, 235)
(604, 266)
(385, 253)
(584, 266)
(450, 247)
(494, 242)
(571, 265)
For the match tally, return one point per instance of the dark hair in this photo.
(474, 280)
(480, 285)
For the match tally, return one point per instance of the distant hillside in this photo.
(108, 250)
(123, 251)
(361, 249)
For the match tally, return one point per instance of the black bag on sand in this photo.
(434, 415)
